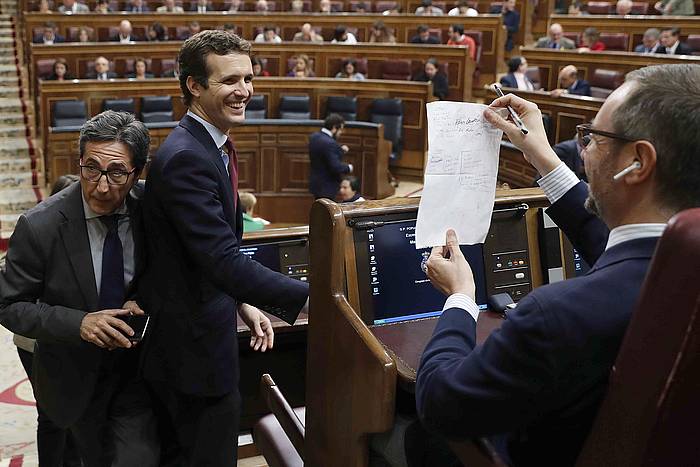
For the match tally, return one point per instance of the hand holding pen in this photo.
(533, 140)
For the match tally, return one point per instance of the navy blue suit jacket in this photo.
(539, 380)
(509, 81)
(327, 166)
(580, 88)
(196, 274)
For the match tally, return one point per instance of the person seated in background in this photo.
(423, 36)
(302, 68)
(511, 20)
(230, 28)
(44, 7)
(349, 190)
(101, 70)
(84, 35)
(623, 7)
(348, 70)
(103, 7)
(577, 8)
(650, 42)
(268, 35)
(426, 8)
(169, 7)
(137, 6)
(342, 36)
(250, 223)
(307, 34)
(60, 71)
(517, 77)
(72, 6)
(174, 72)
(555, 39)
(234, 6)
(201, 6)
(261, 6)
(259, 67)
(49, 36)
(140, 70)
(675, 7)
(570, 84)
(394, 10)
(590, 41)
(457, 37)
(326, 158)
(380, 34)
(463, 9)
(297, 7)
(671, 41)
(431, 74)
(360, 8)
(124, 36)
(324, 6)
(193, 28)
(156, 33)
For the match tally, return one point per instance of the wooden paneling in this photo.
(551, 62)
(248, 25)
(414, 95)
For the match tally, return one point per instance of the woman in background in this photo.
(349, 71)
(431, 73)
(302, 68)
(60, 71)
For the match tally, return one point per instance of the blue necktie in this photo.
(112, 290)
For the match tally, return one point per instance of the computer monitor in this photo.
(290, 257)
(392, 284)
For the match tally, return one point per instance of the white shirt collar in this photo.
(217, 135)
(672, 50)
(327, 131)
(625, 233)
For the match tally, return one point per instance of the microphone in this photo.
(633, 166)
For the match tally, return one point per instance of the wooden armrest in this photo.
(283, 412)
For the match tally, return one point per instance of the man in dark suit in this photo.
(671, 42)
(569, 83)
(70, 267)
(126, 33)
(423, 36)
(650, 42)
(197, 277)
(50, 36)
(201, 6)
(569, 152)
(101, 71)
(138, 6)
(536, 384)
(511, 20)
(326, 157)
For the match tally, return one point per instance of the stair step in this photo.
(18, 164)
(17, 200)
(16, 180)
(13, 131)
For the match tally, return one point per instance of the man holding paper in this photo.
(536, 384)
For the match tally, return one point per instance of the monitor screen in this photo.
(290, 257)
(391, 276)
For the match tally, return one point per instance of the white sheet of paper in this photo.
(460, 174)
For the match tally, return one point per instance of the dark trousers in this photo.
(56, 446)
(206, 428)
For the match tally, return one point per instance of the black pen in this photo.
(519, 123)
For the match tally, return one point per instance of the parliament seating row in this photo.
(639, 7)
(489, 31)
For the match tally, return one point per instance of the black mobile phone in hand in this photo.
(138, 323)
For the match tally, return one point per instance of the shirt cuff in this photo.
(557, 182)
(464, 302)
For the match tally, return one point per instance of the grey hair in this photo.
(121, 127)
(662, 108)
(652, 32)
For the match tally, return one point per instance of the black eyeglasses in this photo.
(114, 176)
(585, 131)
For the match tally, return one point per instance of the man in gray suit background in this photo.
(73, 6)
(69, 270)
(555, 39)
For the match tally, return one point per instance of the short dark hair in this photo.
(662, 108)
(63, 182)
(333, 121)
(121, 127)
(340, 30)
(458, 28)
(270, 27)
(193, 56)
(423, 28)
(426, 3)
(514, 63)
(354, 182)
(675, 31)
(433, 61)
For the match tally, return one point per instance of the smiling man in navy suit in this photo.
(197, 278)
(536, 384)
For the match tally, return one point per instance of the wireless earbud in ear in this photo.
(634, 166)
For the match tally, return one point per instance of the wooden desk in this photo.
(414, 95)
(551, 62)
(248, 24)
(634, 26)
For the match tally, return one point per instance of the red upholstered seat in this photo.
(600, 8)
(273, 443)
(615, 41)
(44, 67)
(396, 69)
(640, 8)
(604, 82)
(694, 43)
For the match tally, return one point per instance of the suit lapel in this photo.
(137, 230)
(641, 248)
(77, 244)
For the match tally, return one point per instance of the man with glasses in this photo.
(70, 269)
(535, 385)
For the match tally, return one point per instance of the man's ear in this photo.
(193, 86)
(645, 154)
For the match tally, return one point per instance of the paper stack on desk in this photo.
(460, 174)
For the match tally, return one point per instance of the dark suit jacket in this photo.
(196, 274)
(131, 38)
(47, 288)
(417, 40)
(682, 49)
(511, 20)
(509, 81)
(569, 153)
(440, 87)
(542, 376)
(580, 88)
(93, 75)
(56, 40)
(144, 9)
(327, 166)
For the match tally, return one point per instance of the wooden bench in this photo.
(493, 34)
(650, 8)
(414, 96)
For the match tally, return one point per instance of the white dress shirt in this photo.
(523, 82)
(672, 50)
